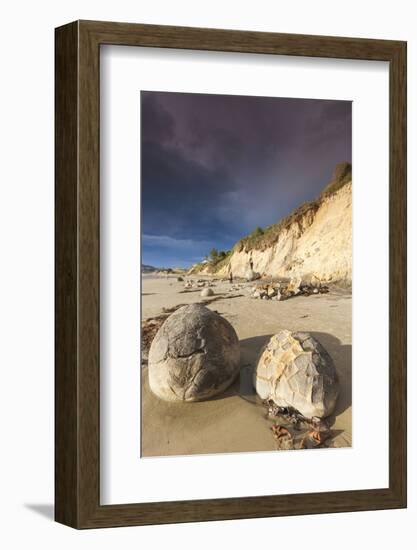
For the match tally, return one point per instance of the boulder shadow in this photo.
(342, 359)
(340, 353)
(250, 349)
(243, 385)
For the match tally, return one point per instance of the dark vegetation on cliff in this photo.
(214, 261)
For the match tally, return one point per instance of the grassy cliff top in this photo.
(341, 176)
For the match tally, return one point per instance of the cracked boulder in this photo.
(195, 355)
(294, 370)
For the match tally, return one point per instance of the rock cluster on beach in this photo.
(200, 283)
(195, 355)
(281, 291)
(294, 370)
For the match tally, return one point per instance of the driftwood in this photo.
(318, 428)
(283, 437)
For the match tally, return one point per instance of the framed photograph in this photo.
(230, 274)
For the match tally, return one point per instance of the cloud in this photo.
(165, 241)
(165, 251)
(157, 124)
(181, 196)
(215, 166)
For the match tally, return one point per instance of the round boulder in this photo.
(195, 355)
(294, 370)
(206, 292)
(251, 275)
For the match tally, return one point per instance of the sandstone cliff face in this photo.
(317, 243)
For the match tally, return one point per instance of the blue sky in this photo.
(214, 167)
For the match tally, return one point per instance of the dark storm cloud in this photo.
(157, 124)
(181, 197)
(213, 167)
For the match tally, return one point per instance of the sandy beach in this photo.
(236, 420)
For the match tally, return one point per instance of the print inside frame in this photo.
(213, 240)
(78, 374)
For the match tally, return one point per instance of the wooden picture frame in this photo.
(77, 374)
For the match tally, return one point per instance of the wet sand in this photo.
(235, 421)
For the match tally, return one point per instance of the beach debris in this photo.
(320, 424)
(292, 416)
(149, 329)
(294, 370)
(283, 437)
(306, 433)
(180, 279)
(319, 433)
(194, 355)
(275, 410)
(206, 292)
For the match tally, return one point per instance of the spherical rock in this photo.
(294, 370)
(195, 355)
(206, 292)
(251, 275)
